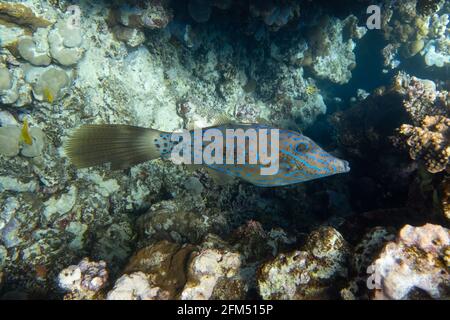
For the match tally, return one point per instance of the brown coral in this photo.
(22, 15)
(429, 142)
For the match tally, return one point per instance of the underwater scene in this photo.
(225, 150)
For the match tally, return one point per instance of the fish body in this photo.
(299, 158)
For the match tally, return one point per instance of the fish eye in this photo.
(301, 147)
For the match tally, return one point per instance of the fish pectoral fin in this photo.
(219, 177)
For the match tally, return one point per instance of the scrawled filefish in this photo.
(299, 158)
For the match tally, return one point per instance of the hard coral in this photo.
(312, 273)
(84, 280)
(421, 97)
(429, 142)
(214, 274)
(417, 26)
(20, 14)
(154, 14)
(29, 51)
(333, 54)
(135, 286)
(417, 260)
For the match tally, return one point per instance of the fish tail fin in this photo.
(121, 145)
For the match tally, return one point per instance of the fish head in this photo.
(303, 159)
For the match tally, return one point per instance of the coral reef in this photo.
(415, 264)
(312, 273)
(173, 221)
(11, 141)
(152, 15)
(59, 42)
(84, 280)
(444, 200)
(421, 98)
(22, 15)
(162, 231)
(166, 270)
(332, 54)
(214, 274)
(135, 286)
(428, 109)
(64, 42)
(364, 253)
(429, 142)
(212, 269)
(412, 28)
(29, 51)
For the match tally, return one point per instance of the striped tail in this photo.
(121, 145)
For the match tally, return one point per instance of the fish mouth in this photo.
(346, 166)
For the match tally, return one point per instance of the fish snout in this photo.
(345, 166)
(340, 166)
